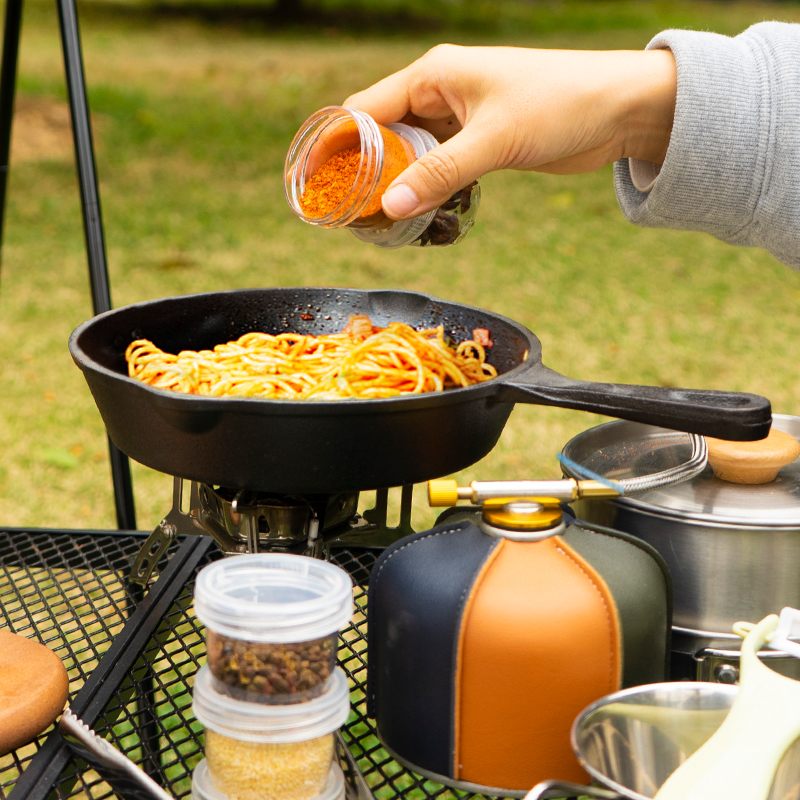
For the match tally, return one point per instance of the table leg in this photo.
(8, 81)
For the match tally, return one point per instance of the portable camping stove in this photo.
(247, 521)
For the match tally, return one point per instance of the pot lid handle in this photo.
(752, 462)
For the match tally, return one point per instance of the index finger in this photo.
(413, 90)
(385, 101)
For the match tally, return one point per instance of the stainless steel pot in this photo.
(733, 550)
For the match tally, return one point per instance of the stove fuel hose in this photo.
(646, 483)
(589, 484)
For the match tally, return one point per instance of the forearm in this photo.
(732, 168)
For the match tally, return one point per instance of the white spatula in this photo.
(739, 761)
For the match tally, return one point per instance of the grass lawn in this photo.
(192, 121)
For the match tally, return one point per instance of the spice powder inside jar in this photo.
(265, 771)
(329, 187)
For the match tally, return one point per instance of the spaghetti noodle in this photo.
(360, 362)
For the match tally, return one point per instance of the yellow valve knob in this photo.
(442, 493)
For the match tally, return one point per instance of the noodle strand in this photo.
(388, 362)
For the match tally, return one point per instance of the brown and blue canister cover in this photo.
(483, 649)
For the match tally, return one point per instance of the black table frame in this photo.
(43, 771)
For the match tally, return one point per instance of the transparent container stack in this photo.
(271, 697)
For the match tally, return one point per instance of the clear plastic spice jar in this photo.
(341, 162)
(256, 751)
(272, 623)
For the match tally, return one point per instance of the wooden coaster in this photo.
(752, 462)
(33, 689)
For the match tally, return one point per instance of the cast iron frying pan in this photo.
(321, 447)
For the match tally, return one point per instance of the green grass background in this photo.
(193, 118)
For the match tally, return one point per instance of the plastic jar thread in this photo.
(203, 787)
(273, 597)
(263, 723)
(256, 751)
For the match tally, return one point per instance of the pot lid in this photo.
(619, 450)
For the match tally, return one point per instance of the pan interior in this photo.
(197, 322)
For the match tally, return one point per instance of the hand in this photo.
(557, 111)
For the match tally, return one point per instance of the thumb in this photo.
(436, 176)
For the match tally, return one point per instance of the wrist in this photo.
(651, 107)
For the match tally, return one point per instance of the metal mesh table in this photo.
(132, 659)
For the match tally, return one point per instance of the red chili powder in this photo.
(329, 186)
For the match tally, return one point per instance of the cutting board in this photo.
(33, 689)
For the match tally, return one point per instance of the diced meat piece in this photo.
(481, 336)
(359, 326)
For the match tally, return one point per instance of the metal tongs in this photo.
(132, 783)
(125, 777)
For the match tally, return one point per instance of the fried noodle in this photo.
(360, 362)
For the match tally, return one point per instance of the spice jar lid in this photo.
(264, 723)
(273, 597)
(204, 789)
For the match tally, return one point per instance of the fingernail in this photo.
(400, 200)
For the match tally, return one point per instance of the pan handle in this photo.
(549, 790)
(724, 415)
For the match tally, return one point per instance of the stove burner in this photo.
(246, 521)
(249, 522)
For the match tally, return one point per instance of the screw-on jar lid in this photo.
(273, 597)
(204, 789)
(265, 723)
(404, 231)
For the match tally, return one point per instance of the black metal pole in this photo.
(93, 227)
(8, 82)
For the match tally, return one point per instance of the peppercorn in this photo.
(276, 673)
(446, 226)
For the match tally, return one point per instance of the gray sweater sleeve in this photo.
(733, 164)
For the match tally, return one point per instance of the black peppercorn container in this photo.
(272, 624)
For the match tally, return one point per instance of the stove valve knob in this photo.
(442, 493)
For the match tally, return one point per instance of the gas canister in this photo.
(489, 633)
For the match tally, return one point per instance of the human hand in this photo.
(557, 111)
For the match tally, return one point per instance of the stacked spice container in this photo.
(271, 697)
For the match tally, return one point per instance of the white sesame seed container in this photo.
(258, 751)
(272, 622)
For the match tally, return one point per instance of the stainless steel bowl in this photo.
(631, 741)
